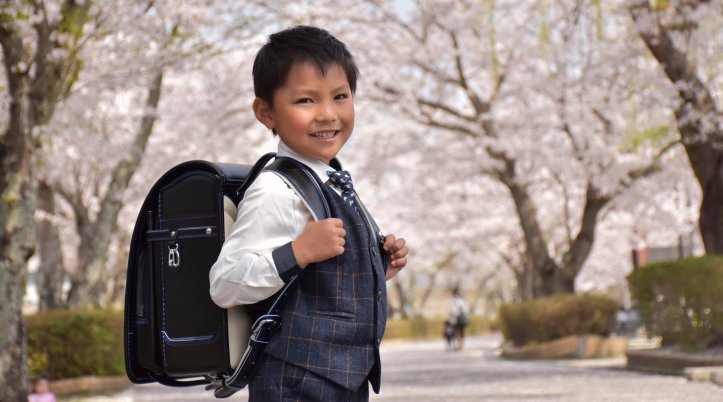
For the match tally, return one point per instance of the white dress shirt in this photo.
(271, 215)
(457, 307)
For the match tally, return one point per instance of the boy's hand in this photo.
(320, 241)
(397, 250)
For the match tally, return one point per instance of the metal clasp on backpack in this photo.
(264, 325)
(214, 382)
(174, 255)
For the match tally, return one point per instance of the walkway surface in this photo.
(424, 371)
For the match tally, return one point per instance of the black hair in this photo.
(299, 44)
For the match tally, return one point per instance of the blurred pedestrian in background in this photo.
(41, 391)
(458, 316)
(449, 332)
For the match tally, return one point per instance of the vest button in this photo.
(374, 250)
(379, 296)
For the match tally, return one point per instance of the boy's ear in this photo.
(263, 113)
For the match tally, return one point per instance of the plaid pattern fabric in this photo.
(333, 322)
(280, 381)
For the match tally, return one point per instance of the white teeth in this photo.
(324, 134)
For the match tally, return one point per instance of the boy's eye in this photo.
(304, 100)
(341, 96)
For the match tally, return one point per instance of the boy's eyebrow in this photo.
(312, 90)
(343, 87)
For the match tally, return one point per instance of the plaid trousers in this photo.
(278, 381)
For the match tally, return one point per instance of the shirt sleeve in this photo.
(256, 259)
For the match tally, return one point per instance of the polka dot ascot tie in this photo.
(342, 180)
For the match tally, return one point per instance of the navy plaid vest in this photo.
(333, 322)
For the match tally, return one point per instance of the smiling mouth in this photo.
(325, 134)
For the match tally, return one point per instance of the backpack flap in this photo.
(192, 327)
(172, 328)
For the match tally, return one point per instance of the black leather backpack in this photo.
(174, 333)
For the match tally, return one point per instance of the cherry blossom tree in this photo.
(40, 41)
(685, 38)
(115, 88)
(495, 136)
(84, 94)
(503, 140)
(539, 103)
(173, 41)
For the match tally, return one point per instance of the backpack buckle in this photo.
(174, 255)
(264, 326)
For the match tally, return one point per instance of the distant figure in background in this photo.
(449, 332)
(627, 322)
(41, 392)
(459, 316)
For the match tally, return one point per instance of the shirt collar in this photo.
(317, 166)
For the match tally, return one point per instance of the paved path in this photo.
(423, 371)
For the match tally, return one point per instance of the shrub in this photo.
(64, 343)
(555, 317)
(430, 328)
(681, 301)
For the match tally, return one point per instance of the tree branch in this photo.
(480, 106)
(446, 109)
(653, 166)
(429, 121)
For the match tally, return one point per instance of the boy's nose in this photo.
(326, 112)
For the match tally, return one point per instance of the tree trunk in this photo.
(117, 287)
(51, 273)
(526, 279)
(33, 95)
(480, 292)
(563, 279)
(698, 117)
(711, 208)
(16, 212)
(432, 285)
(16, 247)
(88, 287)
(403, 300)
(544, 275)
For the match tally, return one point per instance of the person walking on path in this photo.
(449, 334)
(41, 392)
(458, 316)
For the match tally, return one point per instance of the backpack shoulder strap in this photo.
(298, 176)
(303, 181)
(255, 170)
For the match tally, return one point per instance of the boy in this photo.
(328, 345)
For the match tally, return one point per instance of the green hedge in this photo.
(555, 317)
(65, 344)
(430, 328)
(681, 301)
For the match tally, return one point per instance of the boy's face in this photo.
(313, 113)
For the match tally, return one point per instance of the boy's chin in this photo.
(325, 157)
